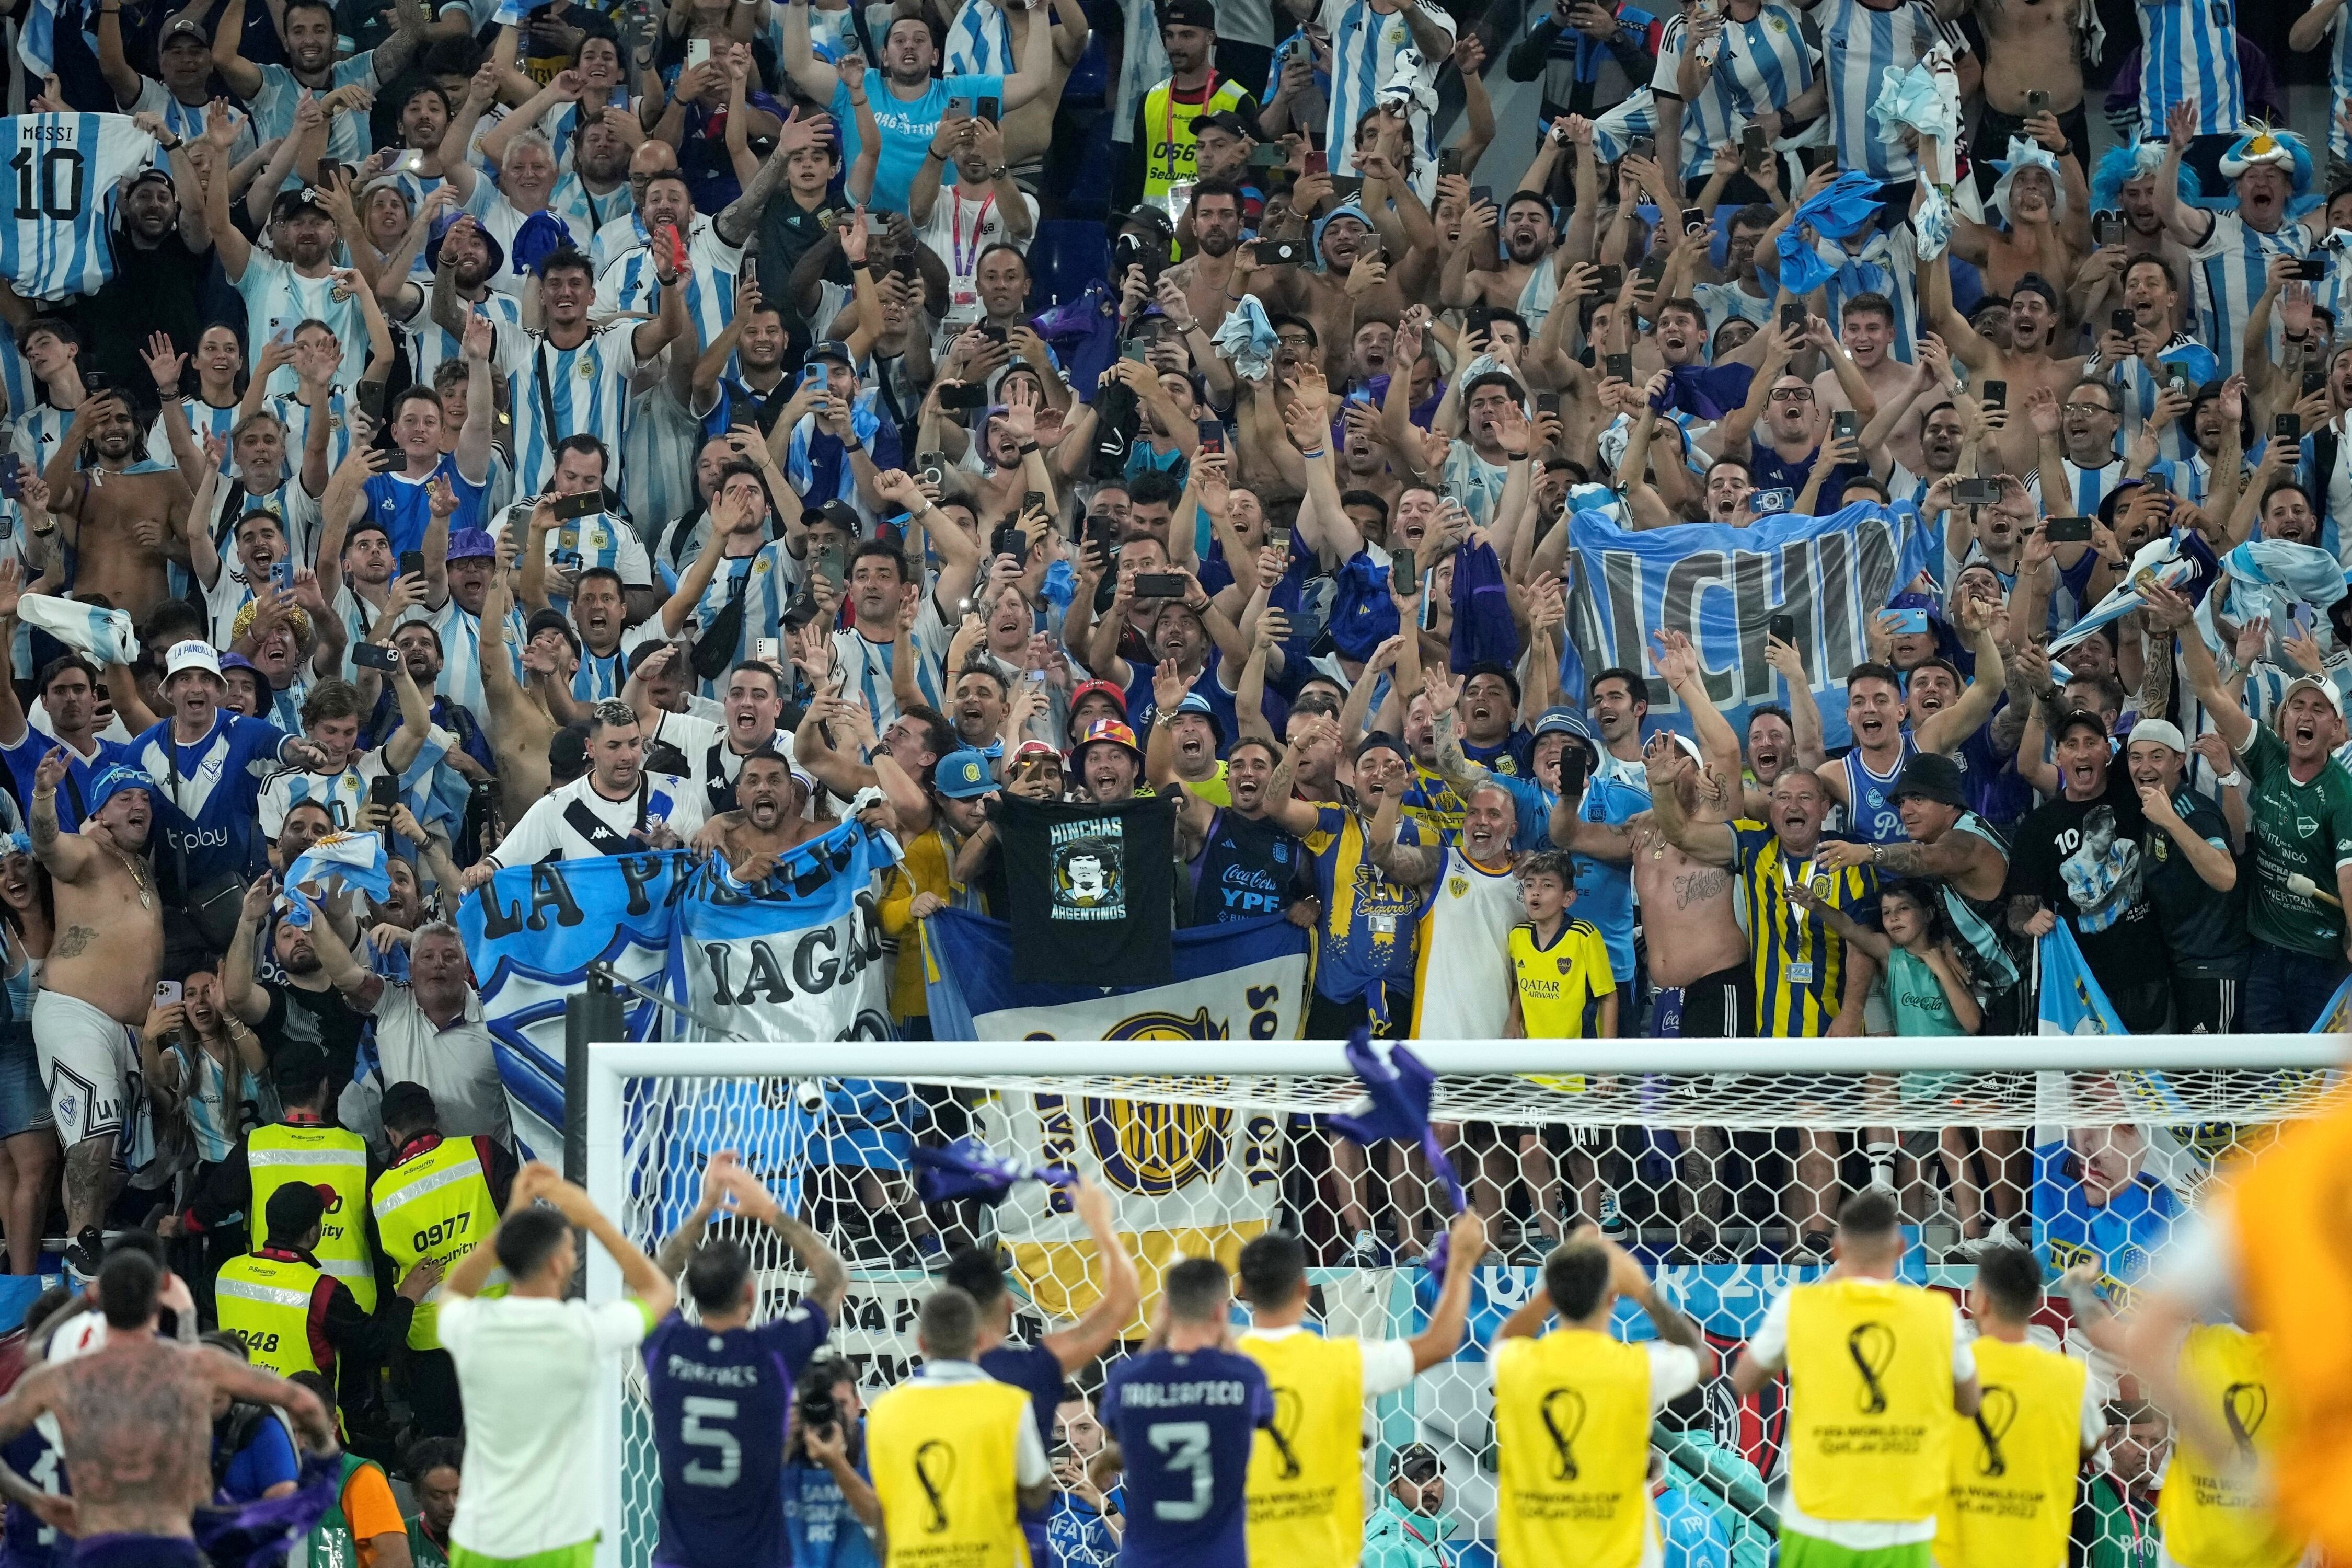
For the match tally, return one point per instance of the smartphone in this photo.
(1976, 492)
(1279, 252)
(383, 790)
(1549, 402)
(1694, 219)
(1033, 500)
(12, 483)
(964, 396)
(1449, 160)
(2314, 383)
(2122, 321)
(1347, 187)
(1482, 193)
(2036, 102)
(1652, 272)
(2158, 483)
(932, 466)
(1771, 503)
(1280, 539)
(1995, 394)
(281, 575)
(765, 651)
(1318, 162)
(1642, 147)
(1429, 600)
(1267, 155)
(2287, 427)
(1618, 365)
(830, 562)
(369, 656)
(371, 397)
(991, 331)
(568, 508)
(1009, 539)
(1211, 435)
(989, 109)
(1793, 317)
(1906, 623)
(1612, 280)
(406, 163)
(697, 52)
(2067, 530)
(2311, 269)
(677, 248)
(412, 563)
(1751, 148)
(167, 993)
(2106, 228)
(959, 109)
(819, 376)
(1845, 425)
(1159, 585)
(94, 381)
(1781, 628)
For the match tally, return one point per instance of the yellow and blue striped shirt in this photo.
(1800, 963)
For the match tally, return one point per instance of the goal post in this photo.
(1206, 1142)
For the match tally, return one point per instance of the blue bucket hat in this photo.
(448, 221)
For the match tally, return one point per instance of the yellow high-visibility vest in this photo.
(334, 1160)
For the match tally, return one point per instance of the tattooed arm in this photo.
(313, 1424)
(66, 856)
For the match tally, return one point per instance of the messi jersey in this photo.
(1185, 1422)
(65, 169)
(720, 1401)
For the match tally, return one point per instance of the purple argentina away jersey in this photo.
(1184, 1422)
(720, 1401)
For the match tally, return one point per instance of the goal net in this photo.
(1716, 1165)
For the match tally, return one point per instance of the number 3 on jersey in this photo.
(1185, 1446)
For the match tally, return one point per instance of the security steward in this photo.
(291, 1315)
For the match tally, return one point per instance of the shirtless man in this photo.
(520, 726)
(768, 821)
(2035, 325)
(136, 1418)
(1219, 269)
(98, 984)
(1867, 329)
(2033, 46)
(2048, 223)
(122, 526)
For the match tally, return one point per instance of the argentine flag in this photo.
(2072, 1000)
(340, 860)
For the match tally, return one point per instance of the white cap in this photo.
(194, 654)
(2325, 689)
(2161, 731)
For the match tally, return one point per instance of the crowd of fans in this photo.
(533, 439)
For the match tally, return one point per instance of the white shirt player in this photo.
(1464, 989)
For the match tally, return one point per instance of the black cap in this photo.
(645, 653)
(300, 1067)
(409, 1105)
(292, 204)
(2034, 283)
(1189, 13)
(1931, 777)
(1226, 121)
(2077, 720)
(567, 754)
(1380, 740)
(293, 1209)
(1415, 1462)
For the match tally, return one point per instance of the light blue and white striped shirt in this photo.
(2339, 84)
(186, 120)
(296, 417)
(1860, 43)
(2189, 49)
(587, 389)
(1365, 45)
(765, 581)
(429, 344)
(2140, 387)
(628, 283)
(68, 168)
(277, 299)
(585, 211)
(865, 665)
(204, 420)
(980, 40)
(461, 652)
(2232, 267)
(1882, 266)
(1760, 64)
(280, 95)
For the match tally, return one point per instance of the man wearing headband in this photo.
(97, 987)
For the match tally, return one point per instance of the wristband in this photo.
(1316, 453)
(853, 444)
(1026, 447)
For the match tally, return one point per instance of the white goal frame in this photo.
(611, 1064)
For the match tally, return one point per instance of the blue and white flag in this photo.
(339, 862)
(1719, 586)
(106, 636)
(2072, 1000)
(2182, 563)
(531, 932)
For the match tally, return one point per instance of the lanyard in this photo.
(1436, 1548)
(967, 261)
(1167, 119)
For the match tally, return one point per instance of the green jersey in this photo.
(2298, 829)
(423, 1549)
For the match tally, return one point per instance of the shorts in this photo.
(2206, 1004)
(580, 1555)
(127, 1550)
(90, 1065)
(1721, 1005)
(1812, 1551)
(24, 1104)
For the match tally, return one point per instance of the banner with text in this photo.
(1188, 1179)
(1721, 587)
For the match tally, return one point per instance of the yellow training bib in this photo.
(1573, 1428)
(1306, 1490)
(2216, 1515)
(942, 1456)
(1870, 1399)
(2013, 1462)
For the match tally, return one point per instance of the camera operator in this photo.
(829, 1503)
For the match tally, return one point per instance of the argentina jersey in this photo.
(296, 416)
(204, 419)
(717, 1402)
(277, 299)
(628, 285)
(1365, 45)
(281, 95)
(764, 582)
(344, 794)
(430, 344)
(2232, 268)
(585, 211)
(67, 168)
(585, 388)
(1860, 44)
(2189, 52)
(1760, 63)
(2141, 388)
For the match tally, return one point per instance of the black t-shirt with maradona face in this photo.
(2085, 859)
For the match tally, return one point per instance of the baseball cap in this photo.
(230, 661)
(448, 221)
(1569, 722)
(2081, 717)
(964, 774)
(1106, 731)
(833, 349)
(1378, 740)
(292, 204)
(567, 754)
(293, 1209)
(1037, 751)
(152, 172)
(2325, 689)
(551, 621)
(408, 1105)
(182, 27)
(1195, 703)
(194, 654)
(1931, 777)
(1226, 121)
(2034, 283)
(1415, 1462)
(1189, 13)
(471, 545)
(1099, 688)
(2161, 731)
(1149, 217)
